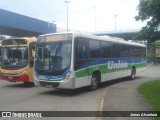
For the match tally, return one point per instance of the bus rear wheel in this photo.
(133, 73)
(94, 82)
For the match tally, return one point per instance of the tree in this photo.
(149, 10)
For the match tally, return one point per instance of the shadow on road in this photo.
(112, 82)
(20, 85)
(66, 92)
(84, 90)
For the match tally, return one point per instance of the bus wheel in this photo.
(133, 73)
(94, 82)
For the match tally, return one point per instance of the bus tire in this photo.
(94, 82)
(133, 73)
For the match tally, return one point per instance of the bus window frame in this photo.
(31, 51)
(80, 41)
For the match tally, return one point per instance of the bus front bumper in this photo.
(10, 78)
(63, 84)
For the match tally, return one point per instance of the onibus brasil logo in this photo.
(117, 65)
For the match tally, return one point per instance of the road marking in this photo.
(100, 109)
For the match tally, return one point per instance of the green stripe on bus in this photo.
(104, 69)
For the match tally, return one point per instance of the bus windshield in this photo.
(53, 56)
(14, 57)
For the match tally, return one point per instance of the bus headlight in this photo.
(36, 82)
(21, 73)
(35, 78)
(67, 76)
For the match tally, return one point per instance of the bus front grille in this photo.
(53, 84)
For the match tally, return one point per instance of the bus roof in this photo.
(27, 40)
(103, 38)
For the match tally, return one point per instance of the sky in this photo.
(83, 15)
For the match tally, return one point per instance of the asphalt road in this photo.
(124, 96)
(22, 97)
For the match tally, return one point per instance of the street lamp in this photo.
(95, 18)
(115, 21)
(67, 13)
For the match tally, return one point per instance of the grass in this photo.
(151, 92)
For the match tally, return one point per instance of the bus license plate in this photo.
(11, 79)
(48, 86)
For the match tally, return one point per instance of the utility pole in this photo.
(115, 22)
(95, 18)
(67, 13)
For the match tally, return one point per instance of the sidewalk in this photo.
(124, 96)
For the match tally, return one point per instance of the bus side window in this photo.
(144, 52)
(137, 52)
(106, 49)
(125, 51)
(81, 52)
(94, 51)
(116, 50)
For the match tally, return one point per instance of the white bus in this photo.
(74, 60)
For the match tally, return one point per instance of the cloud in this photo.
(81, 13)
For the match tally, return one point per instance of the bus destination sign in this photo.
(55, 38)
